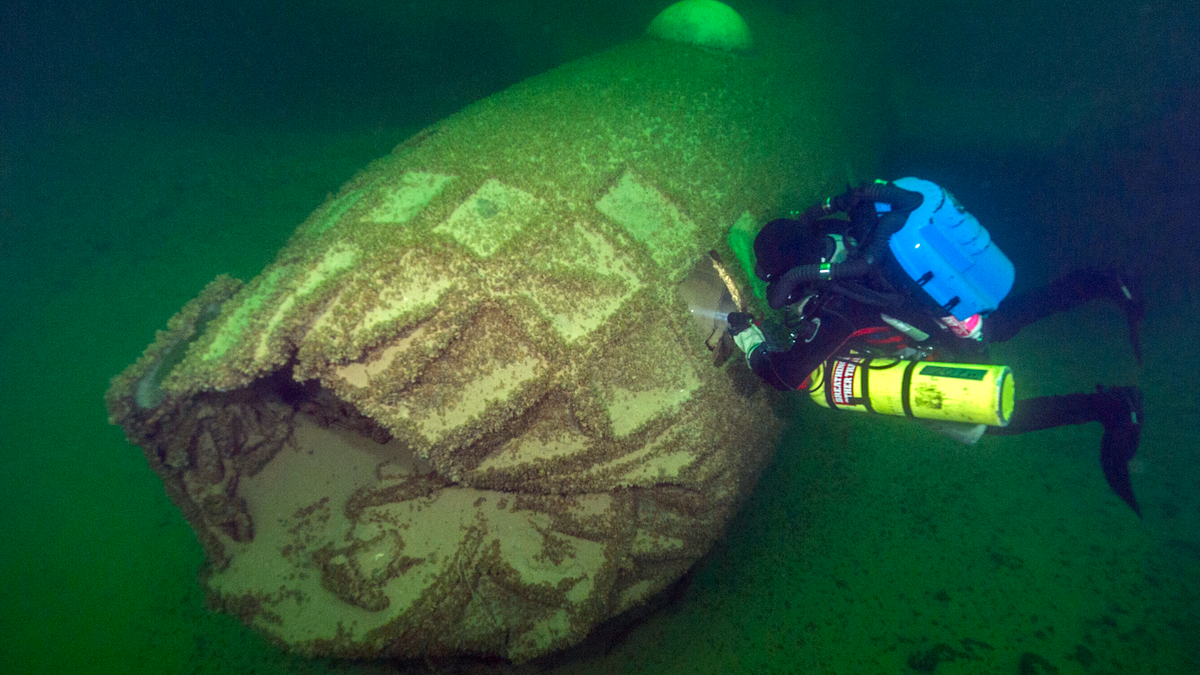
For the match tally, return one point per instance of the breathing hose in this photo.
(901, 203)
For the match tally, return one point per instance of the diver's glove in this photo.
(738, 322)
(746, 335)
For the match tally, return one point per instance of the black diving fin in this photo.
(1122, 432)
(1133, 303)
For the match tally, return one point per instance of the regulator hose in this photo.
(902, 203)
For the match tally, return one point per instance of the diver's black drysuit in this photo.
(835, 309)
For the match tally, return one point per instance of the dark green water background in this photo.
(146, 147)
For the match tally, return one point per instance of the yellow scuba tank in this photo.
(957, 392)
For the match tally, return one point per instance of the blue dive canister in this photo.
(945, 250)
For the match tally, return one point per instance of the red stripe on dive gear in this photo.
(871, 330)
(868, 331)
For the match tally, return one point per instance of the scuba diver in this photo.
(890, 309)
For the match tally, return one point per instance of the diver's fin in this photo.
(1116, 449)
(1133, 303)
(1135, 341)
(1122, 431)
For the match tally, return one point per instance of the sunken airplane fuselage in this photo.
(467, 409)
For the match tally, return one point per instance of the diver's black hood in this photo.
(783, 244)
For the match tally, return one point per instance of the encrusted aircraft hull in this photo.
(467, 410)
